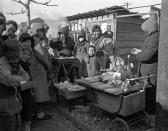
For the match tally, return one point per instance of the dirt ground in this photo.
(57, 123)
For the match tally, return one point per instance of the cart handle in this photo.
(132, 79)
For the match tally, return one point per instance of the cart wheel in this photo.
(118, 125)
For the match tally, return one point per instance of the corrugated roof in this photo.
(114, 9)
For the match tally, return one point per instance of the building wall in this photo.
(104, 22)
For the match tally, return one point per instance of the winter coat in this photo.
(104, 51)
(92, 65)
(81, 50)
(149, 56)
(81, 47)
(10, 101)
(38, 70)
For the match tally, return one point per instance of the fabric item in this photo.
(149, 56)
(11, 49)
(81, 50)
(13, 23)
(11, 123)
(150, 25)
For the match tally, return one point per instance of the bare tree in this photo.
(26, 5)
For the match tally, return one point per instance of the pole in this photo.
(162, 78)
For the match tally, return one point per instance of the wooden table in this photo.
(67, 65)
(71, 95)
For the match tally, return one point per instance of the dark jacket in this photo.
(69, 42)
(10, 101)
(92, 65)
(104, 51)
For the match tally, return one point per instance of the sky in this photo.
(67, 7)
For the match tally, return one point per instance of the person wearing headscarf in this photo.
(39, 67)
(104, 46)
(81, 46)
(148, 56)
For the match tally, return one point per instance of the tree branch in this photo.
(19, 1)
(45, 3)
(16, 13)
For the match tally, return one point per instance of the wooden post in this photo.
(162, 78)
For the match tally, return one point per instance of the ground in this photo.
(63, 120)
(57, 123)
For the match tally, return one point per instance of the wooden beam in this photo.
(162, 78)
(139, 14)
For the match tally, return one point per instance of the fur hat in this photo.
(13, 23)
(11, 49)
(26, 46)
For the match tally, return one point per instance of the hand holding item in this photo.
(27, 85)
(22, 82)
(135, 51)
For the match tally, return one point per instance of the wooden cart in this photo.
(115, 100)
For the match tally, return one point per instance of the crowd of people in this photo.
(25, 65)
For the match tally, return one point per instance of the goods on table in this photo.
(69, 86)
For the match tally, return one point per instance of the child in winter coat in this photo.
(91, 62)
(82, 45)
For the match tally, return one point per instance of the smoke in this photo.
(54, 20)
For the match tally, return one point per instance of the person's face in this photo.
(41, 33)
(45, 44)
(2, 26)
(10, 29)
(25, 55)
(119, 63)
(111, 58)
(91, 51)
(96, 34)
